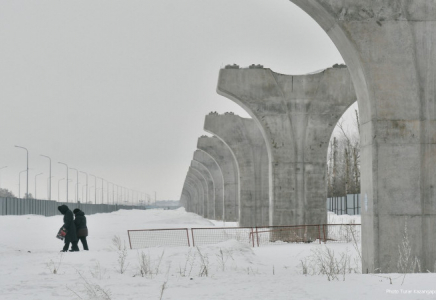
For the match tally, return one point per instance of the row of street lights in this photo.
(123, 189)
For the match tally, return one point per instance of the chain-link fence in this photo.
(253, 236)
(158, 237)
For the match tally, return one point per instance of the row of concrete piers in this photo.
(389, 48)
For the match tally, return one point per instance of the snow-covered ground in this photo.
(29, 253)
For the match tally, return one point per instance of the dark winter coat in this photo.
(68, 224)
(80, 222)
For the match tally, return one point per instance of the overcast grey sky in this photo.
(120, 89)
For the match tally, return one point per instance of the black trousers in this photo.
(84, 242)
(74, 246)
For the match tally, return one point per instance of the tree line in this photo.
(343, 159)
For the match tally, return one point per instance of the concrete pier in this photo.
(196, 180)
(210, 200)
(296, 115)
(390, 50)
(221, 154)
(218, 182)
(248, 147)
(192, 202)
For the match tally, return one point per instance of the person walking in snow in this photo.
(81, 229)
(70, 229)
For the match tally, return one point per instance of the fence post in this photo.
(130, 242)
(192, 234)
(187, 235)
(319, 234)
(323, 229)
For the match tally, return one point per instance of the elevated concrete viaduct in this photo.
(210, 200)
(248, 147)
(296, 115)
(218, 182)
(221, 154)
(390, 50)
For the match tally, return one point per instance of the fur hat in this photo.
(75, 211)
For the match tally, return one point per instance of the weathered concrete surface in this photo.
(218, 182)
(297, 115)
(390, 49)
(221, 154)
(248, 147)
(210, 200)
(198, 181)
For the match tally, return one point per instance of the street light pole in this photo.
(102, 190)
(95, 188)
(27, 168)
(49, 176)
(35, 182)
(67, 176)
(19, 183)
(0, 169)
(87, 190)
(77, 184)
(59, 189)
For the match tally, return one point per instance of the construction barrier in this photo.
(253, 236)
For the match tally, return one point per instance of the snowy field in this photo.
(29, 255)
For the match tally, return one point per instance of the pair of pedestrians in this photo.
(75, 228)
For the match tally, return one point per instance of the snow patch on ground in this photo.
(29, 252)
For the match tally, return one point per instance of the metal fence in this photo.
(345, 205)
(253, 236)
(18, 206)
(158, 237)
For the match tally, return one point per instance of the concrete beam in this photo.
(296, 115)
(218, 182)
(221, 154)
(390, 49)
(248, 147)
(210, 200)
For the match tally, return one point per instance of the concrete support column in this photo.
(297, 115)
(221, 154)
(193, 196)
(199, 201)
(218, 182)
(204, 195)
(390, 49)
(210, 200)
(248, 147)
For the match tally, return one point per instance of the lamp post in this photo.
(49, 186)
(95, 188)
(67, 176)
(49, 176)
(19, 183)
(0, 169)
(87, 190)
(27, 168)
(59, 189)
(90, 189)
(102, 190)
(77, 184)
(35, 182)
